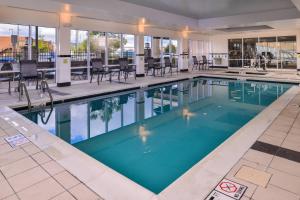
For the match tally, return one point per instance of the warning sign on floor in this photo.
(16, 140)
(227, 190)
(215, 195)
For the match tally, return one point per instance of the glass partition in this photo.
(235, 52)
(287, 52)
(250, 51)
(267, 49)
(266, 52)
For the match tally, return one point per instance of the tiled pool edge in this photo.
(114, 185)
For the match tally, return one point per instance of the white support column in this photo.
(183, 60)
(63, 59)
(139, 55)
(298, 51)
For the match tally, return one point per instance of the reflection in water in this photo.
(187, 114)
(79, 121)
(143, 133)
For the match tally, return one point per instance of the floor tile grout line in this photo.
(22, 171)
(38, 165)
(284, 172)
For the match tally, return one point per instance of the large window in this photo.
(114, 47)
(128, 47)
(147, 46)
(79, 45)
(97, 44)
(165, 46)
(13, 42)
(46, 44)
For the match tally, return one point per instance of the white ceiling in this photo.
(202, 9)
(202, 16)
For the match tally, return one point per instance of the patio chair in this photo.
(29, 72)
(152, 66)
(171, 65)
(98, 69)
(7, 77)
(196, 63)
(207, 63)
(149, 67)
(126, 69)
(78, 70)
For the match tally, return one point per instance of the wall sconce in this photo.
(65, 19)
(185, 32)
(141, 25)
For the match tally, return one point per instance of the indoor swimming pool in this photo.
(153, 136)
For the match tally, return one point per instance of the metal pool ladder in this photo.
(44, 87)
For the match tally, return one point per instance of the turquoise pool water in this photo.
(153, 136)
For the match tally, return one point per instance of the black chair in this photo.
(98, 69)
(196, 63)
(149, 67)
(7, 77)
(207, 63)
(170, 65)
(126, 69)
(152, 66)
(29, 72)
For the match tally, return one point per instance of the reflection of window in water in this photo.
(50, 124)
(79, 129)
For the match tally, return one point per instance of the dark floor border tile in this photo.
(277, 151)
(265, 147)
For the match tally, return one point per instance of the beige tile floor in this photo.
(284, 181)
(27, 172)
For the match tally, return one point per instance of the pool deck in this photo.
(264, 155)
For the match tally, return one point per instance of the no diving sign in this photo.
(227, 190)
